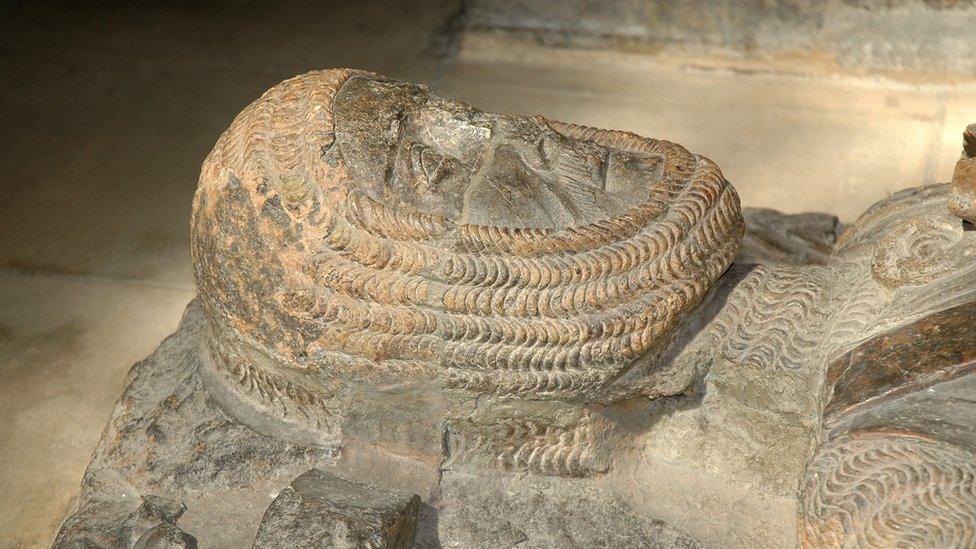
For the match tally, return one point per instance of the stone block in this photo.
(322, 510)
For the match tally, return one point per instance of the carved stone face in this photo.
(408, 148)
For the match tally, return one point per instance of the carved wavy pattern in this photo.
(887, 490)
(917, 252)
(857, 302)
(859, 239)
(553, 286)
(774, 317)
(635, 320)
(366, 213)
(510, 310)
(526, 445)
(614, 296)
(289, 397)
(280, 133)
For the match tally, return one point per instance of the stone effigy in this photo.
(539, 329)
(360, 243)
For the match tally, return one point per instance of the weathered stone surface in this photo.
(167, 536)
(904, 258)
(799, 239)
(496, 510)
(320, 509)
(723, 462)
(126, 524)
(168, 441)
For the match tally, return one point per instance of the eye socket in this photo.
(429, 167)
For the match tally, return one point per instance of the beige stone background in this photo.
(106, 113)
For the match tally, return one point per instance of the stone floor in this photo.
(107, 112)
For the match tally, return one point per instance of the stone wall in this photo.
(878, 35)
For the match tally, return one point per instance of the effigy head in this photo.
(415, 152)
(352, 227)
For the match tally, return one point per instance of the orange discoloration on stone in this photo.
(962, 190)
